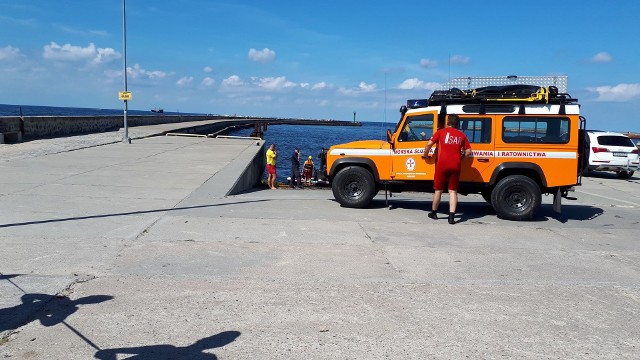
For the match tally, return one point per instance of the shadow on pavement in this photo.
(165, 352)
(50, 310)
(470, 211)
(608, 175)
(123, 214)
(8, 276)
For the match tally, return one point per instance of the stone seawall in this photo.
(16, 129)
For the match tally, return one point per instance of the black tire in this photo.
(516, 197)
(354, 187)
(622, 174)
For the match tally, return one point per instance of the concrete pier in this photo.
(125, 250)
(13, 129)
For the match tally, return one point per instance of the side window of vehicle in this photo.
(417, 128)
(478, 130)
(531, 129)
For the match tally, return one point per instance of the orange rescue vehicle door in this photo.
(480, 132)
(408, 163)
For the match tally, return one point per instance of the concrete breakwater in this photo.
(16, 129)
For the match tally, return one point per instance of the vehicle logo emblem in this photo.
(410, 164)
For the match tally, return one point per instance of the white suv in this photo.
(610, 151)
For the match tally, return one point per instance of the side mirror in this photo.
(390, 139)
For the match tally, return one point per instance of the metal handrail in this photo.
(183, 134)
(236, 137)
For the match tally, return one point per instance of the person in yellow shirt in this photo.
(271, 166)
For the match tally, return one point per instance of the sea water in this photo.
(310, 139)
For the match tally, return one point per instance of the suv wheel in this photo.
(623, 174)
(516, 197)
(354, 187)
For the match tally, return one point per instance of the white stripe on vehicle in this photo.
(475, 153)
(361, 152)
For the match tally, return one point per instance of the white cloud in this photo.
(9, 52)
(460, 60)
(617, 93)
(208, 82)
(415, 83)
(263, 56)
(363, 87)
(320, 86)
(232, 81)
(70, 52)
(316, 86)
(137, 72)
(184, 81)
(602, 57)
(428, 63)
(208, 69)
(274, 83)
(105, 55)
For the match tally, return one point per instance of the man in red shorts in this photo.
(271, 166)
(453, 146)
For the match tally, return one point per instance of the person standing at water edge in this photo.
(308, 170)
(295, 169)
(453, 146)
(271, 166)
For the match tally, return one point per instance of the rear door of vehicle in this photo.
(479, 130)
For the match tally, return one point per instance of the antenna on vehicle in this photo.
(449, 80)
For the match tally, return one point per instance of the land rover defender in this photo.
(526, 135)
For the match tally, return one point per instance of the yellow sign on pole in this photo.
(125, 95)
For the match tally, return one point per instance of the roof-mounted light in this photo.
(417, 103)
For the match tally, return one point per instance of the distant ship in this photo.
(157, 110)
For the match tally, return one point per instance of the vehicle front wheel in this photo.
(354, 187)
(516, 197)
(622, 174)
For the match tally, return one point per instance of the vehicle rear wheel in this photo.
(354, 187)
(623, 174)
(516, 197)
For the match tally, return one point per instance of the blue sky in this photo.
(323, 59)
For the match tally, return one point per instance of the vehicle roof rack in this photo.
(505, 90)
(474, 82)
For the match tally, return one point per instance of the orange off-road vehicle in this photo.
(526, 140)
